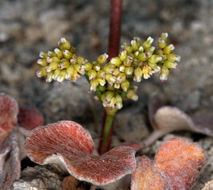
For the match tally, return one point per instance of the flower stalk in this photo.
(113, 50)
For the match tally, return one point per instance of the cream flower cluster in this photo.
(114, 79)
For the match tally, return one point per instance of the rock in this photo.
(39, 177)
(208, 185)
(130, 126)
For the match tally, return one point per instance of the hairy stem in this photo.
(113, 50)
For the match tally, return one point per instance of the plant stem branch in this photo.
(115, 28)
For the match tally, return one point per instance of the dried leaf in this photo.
(29, 118)
(74, 146)
(181, 162)
(9, 161)
(147, 177)
(172, 119)
(8, 115)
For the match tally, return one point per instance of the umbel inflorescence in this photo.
(112, 80)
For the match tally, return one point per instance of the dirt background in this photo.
(28, 27)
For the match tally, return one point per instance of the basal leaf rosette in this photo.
(73, 146)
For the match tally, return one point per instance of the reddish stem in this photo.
(115, 28)
(113, 50)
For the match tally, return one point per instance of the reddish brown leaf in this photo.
(29, 118)
(147, 177)
(9, 162)
(135, 145)
(74, 146)
(104, 169)
(8, 115)
(67, 137)
(180, 161)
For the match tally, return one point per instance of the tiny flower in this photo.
(147, 44)
(92, 74)
(102, 58)
(125, 85)
(64, 44)
(131, 94)
(58, 52)
(93, 84)
(115, 61)
(168, 49)
(67, 54)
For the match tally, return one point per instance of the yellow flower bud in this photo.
(122, 68)
(96, 67)
(147, 71)
(172, 57)
(80, 60)
(88, 66)
(53, 59)
(168, 49)
(101, 74)
(169, 64)
(129, 70)
(93, 84)
(70, 71)
(110, 78)
(43, 55)
(147, 44)
(101, 81)
(64, 44)
(123, 55)
(102, 58)
(42, 62)
(49, 77)
(115, 72)
(121, 77)
(58, 53)
(138, 74)
(67, 54)
(51, 54)
(155, 59)
(52, 66)
(117, 85)
(161, 43)
(131, 94)
(56, 73)
(61, 76)
(128, 49)
(108, 96)
(41, 73)
(128, 61)
(115, 61)
(65, 64)
(164, 74)
(125, 85)
(92, 74)
(135, 45)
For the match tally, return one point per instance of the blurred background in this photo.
(30, 26)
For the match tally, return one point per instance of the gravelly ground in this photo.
(27, 27)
